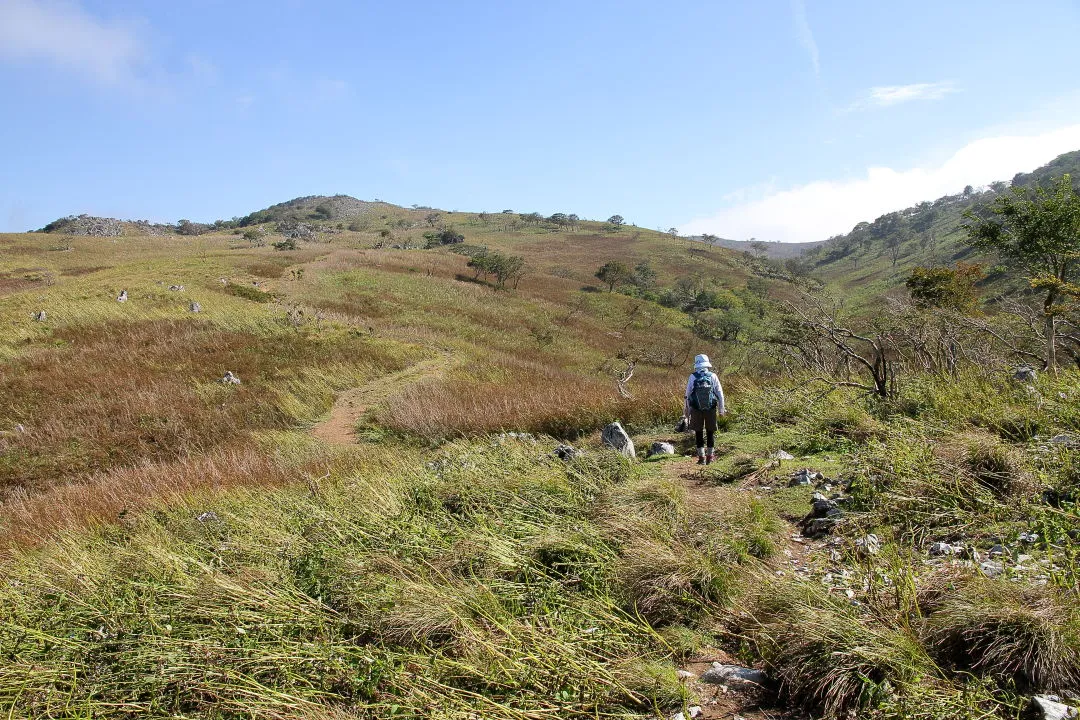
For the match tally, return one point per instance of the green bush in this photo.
(249, 292)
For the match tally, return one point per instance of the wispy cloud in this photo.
(64, 34)
(824, 208)
(887, 95)
(804, 35)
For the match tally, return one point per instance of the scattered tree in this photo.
(446, 236)
(945, 288)
(1040, 231)
(502, 268)
(616, 221)
(614, 273)
(644, 276)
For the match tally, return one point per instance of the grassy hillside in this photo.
(378, 520)
(873, 259)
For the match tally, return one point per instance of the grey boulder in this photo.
(734, 676)
(1050, 707)
(661, 448)
(616, 438)
(566, 452)
(1025, 374)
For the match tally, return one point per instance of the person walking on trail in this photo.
(704, 401)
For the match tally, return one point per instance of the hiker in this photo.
(704, 401)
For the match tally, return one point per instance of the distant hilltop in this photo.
(309, 208)
(777, 250)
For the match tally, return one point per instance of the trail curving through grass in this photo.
(339, 427)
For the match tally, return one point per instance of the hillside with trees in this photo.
(875, 256)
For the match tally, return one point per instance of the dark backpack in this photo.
(701, 394)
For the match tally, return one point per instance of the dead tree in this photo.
(871, 352)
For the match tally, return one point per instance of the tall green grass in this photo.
(497, 580)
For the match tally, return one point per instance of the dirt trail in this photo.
(701, 495)
(339, 428)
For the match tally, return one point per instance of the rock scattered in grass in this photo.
(661, 448)
(805, 476)
(734, 677)
(567, 452)
(616, 438)
(1050, 707)
(1025, 374)
(122, 297)
(782, 455)
(230, 378)
(176, 288)
(195, 307)
(868, 545)
(40, 316)
(941, 549)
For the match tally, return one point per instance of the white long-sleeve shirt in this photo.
(717, 391)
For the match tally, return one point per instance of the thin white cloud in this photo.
(804, 35)
(64, 34)
(887, 95)
(824, 208)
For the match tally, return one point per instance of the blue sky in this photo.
(786, 120)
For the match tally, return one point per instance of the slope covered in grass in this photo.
(176, 546)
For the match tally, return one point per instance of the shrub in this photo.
(994, 464)
(249, 292)
(1026, 635)
(285, 244)
(446, 236)
(827, 658)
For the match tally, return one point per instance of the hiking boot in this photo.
(710, 457)
(700, 459)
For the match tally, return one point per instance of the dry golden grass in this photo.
(122, 393)
(530, 397)
(31, 518)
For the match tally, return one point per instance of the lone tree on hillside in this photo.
(503, 268)
(1040, 231)
(616, 220)
(614, 273)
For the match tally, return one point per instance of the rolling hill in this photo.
(343, 459)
